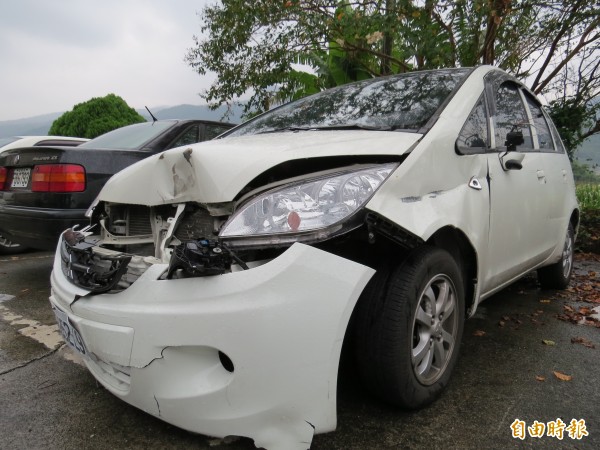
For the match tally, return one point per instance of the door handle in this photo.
(475, 184)
(541, 176)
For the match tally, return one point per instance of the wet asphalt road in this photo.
(49, 401)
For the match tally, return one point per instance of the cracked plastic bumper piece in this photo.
(252, 353)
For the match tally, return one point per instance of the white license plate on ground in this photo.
(20, 178)
(69, 333)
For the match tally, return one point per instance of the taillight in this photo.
(3, 177)
(58, 178)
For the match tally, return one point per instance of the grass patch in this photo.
(588, 195)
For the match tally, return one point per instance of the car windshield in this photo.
(131, 137)
(400, 102)
(7, 140)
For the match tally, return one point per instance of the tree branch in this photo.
(582, 43)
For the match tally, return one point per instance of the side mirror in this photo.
(512, 164)
(511, 160)
(514, 138)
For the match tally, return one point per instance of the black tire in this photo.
(388, 332)
(558, 275)
(9, 248)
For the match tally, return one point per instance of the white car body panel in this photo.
(218, 170)
(283, 323)
(285, 372)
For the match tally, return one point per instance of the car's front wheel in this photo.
(409, 327)
(8, 247)
(558, 275)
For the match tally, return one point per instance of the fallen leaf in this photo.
(540, 378)
(505, 318)
(561, 376)
(544, 301)
(540, 311)
(568, 308)
(501, 323)
(478, 333)
(548, 342)
(582, 341)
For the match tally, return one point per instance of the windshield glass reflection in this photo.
(400, 102)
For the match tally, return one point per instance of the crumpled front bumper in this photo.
(156, 344)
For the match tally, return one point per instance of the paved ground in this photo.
(48, 401)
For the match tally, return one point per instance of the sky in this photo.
(55, 54)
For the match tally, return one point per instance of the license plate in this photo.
(69, 333)
(20, 178)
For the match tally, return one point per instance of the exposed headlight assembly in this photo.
(306, 211)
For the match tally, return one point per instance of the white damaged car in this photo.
(217, 282)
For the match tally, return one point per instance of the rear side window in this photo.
(540, 126)
(560, 147)
(189, 136)
(212, 131)
(511, 117)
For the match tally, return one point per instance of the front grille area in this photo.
(95, 272)
(138, 220)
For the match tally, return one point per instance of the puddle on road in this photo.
(6, 297)
(70, 355)
(47, 335)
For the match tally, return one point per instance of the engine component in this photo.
(200, 258)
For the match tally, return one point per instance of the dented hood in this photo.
(216, 171)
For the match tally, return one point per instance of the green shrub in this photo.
(97, 116)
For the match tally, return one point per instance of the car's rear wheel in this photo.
(8, 247)
(409, 327)
(558, 275)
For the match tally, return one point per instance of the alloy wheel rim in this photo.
(567, 259)
(434, 329)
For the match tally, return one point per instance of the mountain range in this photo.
(589, 153)
(39, 125)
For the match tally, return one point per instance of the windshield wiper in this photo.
(330, 128)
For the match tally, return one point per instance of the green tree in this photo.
(272, 51)
(97, 116)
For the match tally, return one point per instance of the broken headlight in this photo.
(309, 210)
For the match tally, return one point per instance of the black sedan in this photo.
(44, 190)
